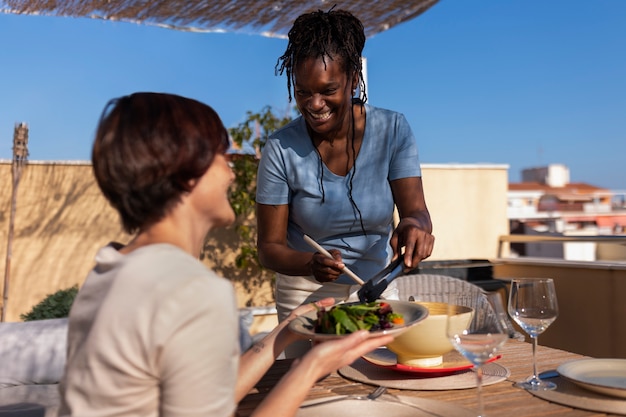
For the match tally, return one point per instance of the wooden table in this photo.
(500, 399)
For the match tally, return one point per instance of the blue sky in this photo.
(518, 82)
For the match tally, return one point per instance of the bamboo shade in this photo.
(263, 17)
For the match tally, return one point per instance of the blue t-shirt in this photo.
(290, 173)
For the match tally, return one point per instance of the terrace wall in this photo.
(61, 220)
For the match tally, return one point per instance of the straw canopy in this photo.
(263, 17)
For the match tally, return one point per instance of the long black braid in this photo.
(333, 34)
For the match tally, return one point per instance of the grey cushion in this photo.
(245, 321)
(32, 352)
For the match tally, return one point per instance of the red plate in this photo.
(452, 362)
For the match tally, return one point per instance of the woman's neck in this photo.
(172, 232)
(339, 154)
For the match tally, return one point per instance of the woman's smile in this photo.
(320, 116)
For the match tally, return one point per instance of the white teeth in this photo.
(320, 116)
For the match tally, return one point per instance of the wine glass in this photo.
(475, 331)
(533, 305)
(499, 307)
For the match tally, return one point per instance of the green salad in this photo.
(349, 318)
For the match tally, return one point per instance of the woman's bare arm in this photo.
(414, 232)
(275, 254)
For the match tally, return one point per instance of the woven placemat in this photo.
(570, 394)
(368, 373)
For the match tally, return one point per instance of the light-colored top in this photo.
(151, 333)
(290, 172)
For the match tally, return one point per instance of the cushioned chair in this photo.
(431, 287)
(32, 361)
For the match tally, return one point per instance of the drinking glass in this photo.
(533, 305)
(499, 307)
(475, 331)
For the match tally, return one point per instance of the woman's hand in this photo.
(325, 269)
(287, 336)
(328, 356)
(321, 360)
(418, 243)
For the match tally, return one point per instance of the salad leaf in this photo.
(348, 318)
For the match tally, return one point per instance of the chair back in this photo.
(433, 287)
(436, 288)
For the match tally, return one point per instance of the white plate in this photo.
(412, 313)
(382, 407)
(606, 376)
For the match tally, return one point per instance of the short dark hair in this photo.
(147, 150)
(336, 34)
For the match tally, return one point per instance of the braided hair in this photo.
(336, 34)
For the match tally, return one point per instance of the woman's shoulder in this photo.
(148, 280)
(289, 133)
(291, 137)
(382, 113)
(167, 272)
(166, 266)
(385, 120)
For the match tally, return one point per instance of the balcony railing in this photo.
(592, 313)
(619, 240)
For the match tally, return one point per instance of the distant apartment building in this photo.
(547, 202)
(547, 199)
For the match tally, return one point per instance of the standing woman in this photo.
(336, 172)
(153, 332)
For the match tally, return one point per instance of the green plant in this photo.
(251, 133)
(56, 305)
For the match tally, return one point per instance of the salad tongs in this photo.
(372, 289)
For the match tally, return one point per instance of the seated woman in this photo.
(152, 331)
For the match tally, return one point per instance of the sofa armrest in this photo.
(32, 352)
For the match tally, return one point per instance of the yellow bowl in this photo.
(425, 343)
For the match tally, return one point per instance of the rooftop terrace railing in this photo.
(619, 240)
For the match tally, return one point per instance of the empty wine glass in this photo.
(475, 331)
(496, 301)
(533, 305)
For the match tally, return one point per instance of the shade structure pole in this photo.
(364, 72)
(20, 157)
